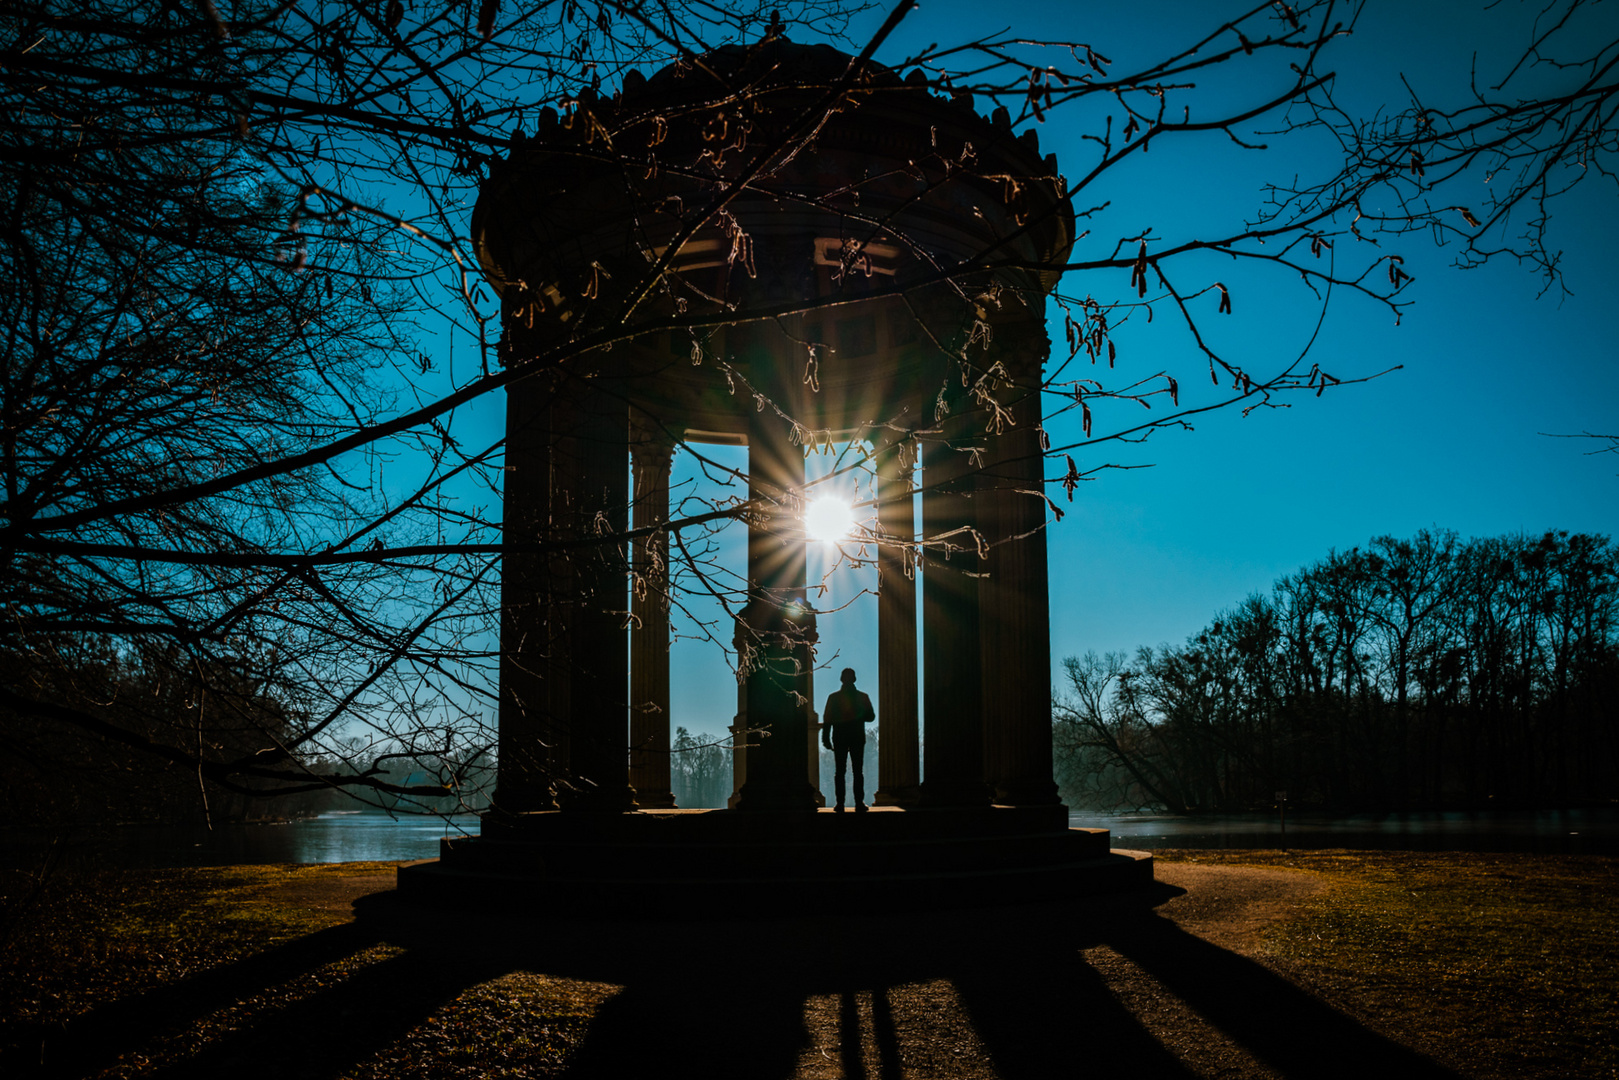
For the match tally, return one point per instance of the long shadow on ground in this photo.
(730, 999)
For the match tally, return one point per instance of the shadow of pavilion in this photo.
(1001, 992)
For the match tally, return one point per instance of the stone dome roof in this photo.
(603, 188)
(774, 60)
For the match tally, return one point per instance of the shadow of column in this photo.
(682, 1023)
(324, 1034)
(885, 1034)
(851, 1046)
(98, 1038)
(1044, 1016)
(1278, 1022)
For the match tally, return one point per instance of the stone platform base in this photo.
(722, 863)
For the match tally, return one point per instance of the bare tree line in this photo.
(238, 462)
(1423, 673)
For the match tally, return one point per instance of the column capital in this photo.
(650, 438)
(784, 621)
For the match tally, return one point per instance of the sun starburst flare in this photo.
(828, 519)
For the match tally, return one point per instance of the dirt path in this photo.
(1230, 905)
(331, 893)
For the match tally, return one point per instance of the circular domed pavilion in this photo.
(775, 246)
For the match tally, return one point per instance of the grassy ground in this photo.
(92, 938)
(1503, 965)
(150, 940)
(1498, 965)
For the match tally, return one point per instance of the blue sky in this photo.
(1453, 439)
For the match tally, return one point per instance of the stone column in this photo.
(898, 764)
(739, 723)
(529, 672)
(953, 741)
(779, 625)
(1015, 615)
(812, 747)
(650, 455)
(599, 736)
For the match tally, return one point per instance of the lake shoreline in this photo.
(346, 836)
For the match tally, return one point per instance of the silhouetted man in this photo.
(843, 731)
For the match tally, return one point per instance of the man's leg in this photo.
(858, 752)
(840, 755)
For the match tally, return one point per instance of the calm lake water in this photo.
(1570, 832)
(356, 837)
(329, 838)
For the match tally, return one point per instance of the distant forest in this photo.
(699, 769)
(151, 697)
(60, 775)
(1430, 673)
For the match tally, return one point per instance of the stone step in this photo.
(719, 861)
(672, 826)
(843, 855)
(745, 895)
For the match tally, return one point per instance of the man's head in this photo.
(848, 676)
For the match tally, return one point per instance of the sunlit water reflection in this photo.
(329, 838)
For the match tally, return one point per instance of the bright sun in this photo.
(828, 519)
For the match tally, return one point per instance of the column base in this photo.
(793, 800)
(523, 798)
(618, 800)
(1027, 793)
(910, 795)
(655, 800)
(953, 793)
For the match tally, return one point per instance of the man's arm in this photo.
(868, 713)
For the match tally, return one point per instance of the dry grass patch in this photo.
(158, 943)
(89, 938)
(1501, 965)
